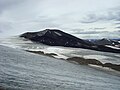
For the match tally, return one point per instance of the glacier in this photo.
(20, 70)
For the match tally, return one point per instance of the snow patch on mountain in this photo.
(112, 47)
(58, 33)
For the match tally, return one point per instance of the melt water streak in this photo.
(20, 70)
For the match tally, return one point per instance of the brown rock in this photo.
(85, 61)
(113, 66)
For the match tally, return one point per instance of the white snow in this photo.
(113, 43)
(60, 56)
(112, 47)
(58, 33)
(25, 71)
(103, 68)
(62, 52)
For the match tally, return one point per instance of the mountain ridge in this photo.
(55, 37)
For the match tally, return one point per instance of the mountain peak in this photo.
(105, 39)
(56, 32)
(55, 37)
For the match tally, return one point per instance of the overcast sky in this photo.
(83, 18)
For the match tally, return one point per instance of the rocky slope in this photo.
(106, 41)
(84, 61)
(55, 37)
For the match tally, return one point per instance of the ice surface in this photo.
(20, 70)
(62, 52)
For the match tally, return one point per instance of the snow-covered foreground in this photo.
(62, 52)
(20, 70)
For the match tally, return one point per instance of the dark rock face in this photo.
(55, 37)
(42, 53)
(84, 61)
(113, 66)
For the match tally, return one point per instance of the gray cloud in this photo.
(100, 35)
(99, 28)
(6, 4)
(117, 23)
(118, 27)
(18, 16)
(118, 31)
(113, 14)
(91, 18)
(90, 32)
(5, 26)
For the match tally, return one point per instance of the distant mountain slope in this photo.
(54, 37)
(105, 41)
